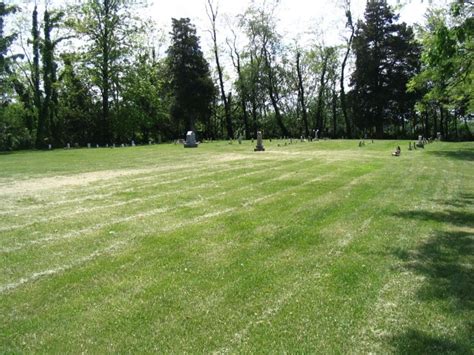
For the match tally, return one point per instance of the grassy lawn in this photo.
(307, 247)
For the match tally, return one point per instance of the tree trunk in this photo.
(228, 119)
(334, 109)
(319, 107)
(343, 68)
(40, 132)
(301, 95)
(272, 91)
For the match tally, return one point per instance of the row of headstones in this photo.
(192, 143)
(89, 145)
(422, 141)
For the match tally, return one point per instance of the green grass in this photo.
(310, 247)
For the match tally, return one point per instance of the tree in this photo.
(75, 105)
(350, 25)
(191, 84)
(212, 14)
(264, 47)
(447, 75)
(240, 83)
(107, 25)
(386, 56)
(5, 43)
(301, 93)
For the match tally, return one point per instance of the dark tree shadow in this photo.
(464, 154)
(445, 261)
(462, 201)
(458, 218)
(416, 342)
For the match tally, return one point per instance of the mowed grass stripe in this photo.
(166, 223)
(110, 187)
(127, 188)
(179, 194)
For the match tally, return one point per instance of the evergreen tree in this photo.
(192, 88)
(386, 57)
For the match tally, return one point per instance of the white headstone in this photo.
(50, 146)
(133, 143)
(88, 145)
(68, 146)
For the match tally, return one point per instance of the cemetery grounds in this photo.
(320, 247)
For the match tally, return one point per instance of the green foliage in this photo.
(146, 102)
(447, 76)
(106, 24)
(5, 59)
(13, 133)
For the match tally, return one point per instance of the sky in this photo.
(296, 18)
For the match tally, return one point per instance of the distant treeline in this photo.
(89, 72)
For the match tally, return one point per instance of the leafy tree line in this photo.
(92, 73)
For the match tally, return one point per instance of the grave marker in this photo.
(259, 147)
(190, 140)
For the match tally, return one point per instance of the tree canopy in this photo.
(94, 72)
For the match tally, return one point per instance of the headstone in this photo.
(291, 140)
(88, 145)
(190, 140)
(133, 143)
(439, 136)
(107, 145)
(301, 139)
(113, 145)
(240, 139)
(259, 147)
(50, 146)
(420, 143)
(122, 145)
(159, 139)
(316, 132)
(149, 142)
(97, 146)
(68, 146)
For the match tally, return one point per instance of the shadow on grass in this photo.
(416, 342)
(462, 201)
(458, 218)
(464, 154)
(445, 261)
